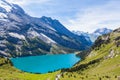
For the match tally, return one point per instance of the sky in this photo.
(78, 15)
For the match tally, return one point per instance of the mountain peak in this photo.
(93, 36)
(102, 31)
(43, 35)
(6, 7)
(44, 18)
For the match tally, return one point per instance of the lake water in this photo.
(45, 63)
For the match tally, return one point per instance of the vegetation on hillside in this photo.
(8, 72)
(102, 61)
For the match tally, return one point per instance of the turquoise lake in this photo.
(45, 63)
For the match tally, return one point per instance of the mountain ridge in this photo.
(23, 35)
(94, 35)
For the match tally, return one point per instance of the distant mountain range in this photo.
(23, 35)
(93, 36)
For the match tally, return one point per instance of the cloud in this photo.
(82, 15)
(107, 15)
(28, 2)
(32, 7)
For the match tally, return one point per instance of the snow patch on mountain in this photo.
(3, 53)
(80, 33)
(33, 33)
(16, 35)
(2, 15)
(5, 5)
(47, 40)
(102, 31)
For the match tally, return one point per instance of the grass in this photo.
(104, 70)
(97, 65)
(7, 72)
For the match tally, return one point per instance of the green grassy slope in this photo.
(8, 72)
(102, 63)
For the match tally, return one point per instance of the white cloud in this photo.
(97, 17)
(27, 2)
(87, 19)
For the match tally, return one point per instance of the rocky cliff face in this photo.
(23, 35)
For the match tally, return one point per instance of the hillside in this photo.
(8, 72)
(102, 62)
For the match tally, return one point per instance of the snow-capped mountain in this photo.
(99, 32)
(93, 36)
(102, 31)
(80, 33)
(23, 35)
(85, 34)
